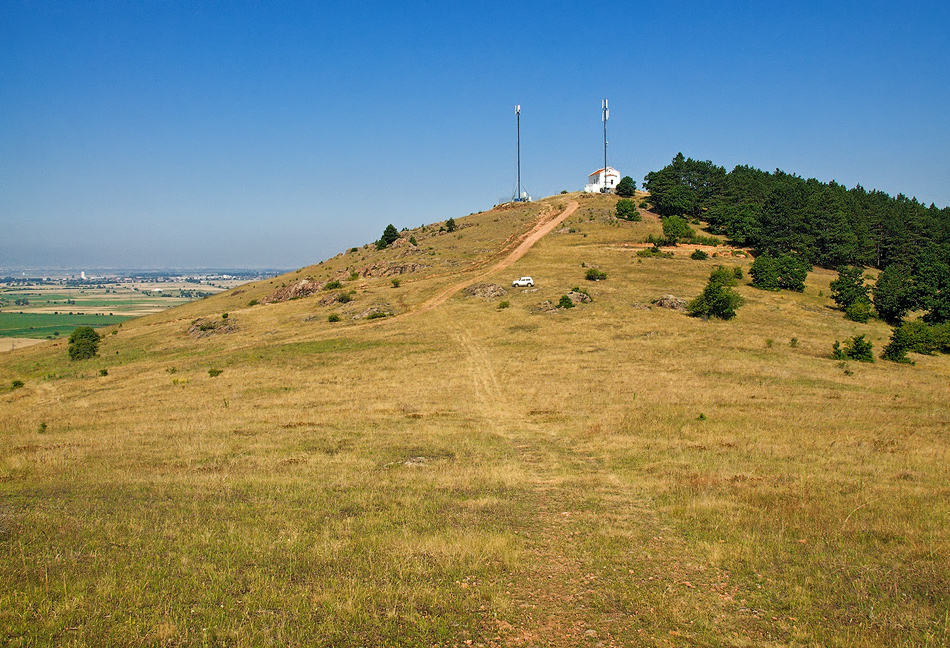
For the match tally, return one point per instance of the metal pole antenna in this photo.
(518, 119)
(606, 115)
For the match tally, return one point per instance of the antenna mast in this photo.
(606, 117)
(518, 119)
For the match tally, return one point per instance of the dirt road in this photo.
(542, 227)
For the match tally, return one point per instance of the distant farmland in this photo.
(43, 325)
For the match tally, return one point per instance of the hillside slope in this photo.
(460, 473)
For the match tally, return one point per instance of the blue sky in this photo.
(265, 134)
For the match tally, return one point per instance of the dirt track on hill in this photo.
(535, 234)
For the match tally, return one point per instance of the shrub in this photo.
(627, 210)
(857, 348)
(654, 252)
(345, 297)
(699, 255)
(717, 299)
(503, 304)
(83, 343)
(332, 285)
(450, 225)
(354, 276)
(412, 240)
(376, 315)
(224, 316)
(395, 283)
(103, 372)
(676, 228)
(253, 302)
(565, 302)
(16, 384)
(858, 311)
(593, 274)
(333, 318)
(214, 373)
(849, 287)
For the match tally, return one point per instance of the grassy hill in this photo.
(462, 474)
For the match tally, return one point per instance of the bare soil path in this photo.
(543, 226)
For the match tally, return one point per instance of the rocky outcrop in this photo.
(205, 327)
(485, 291)
(303, 288)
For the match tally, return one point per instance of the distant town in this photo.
(42, 303)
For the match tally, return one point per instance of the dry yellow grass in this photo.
(615, 473)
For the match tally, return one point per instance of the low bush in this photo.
(333, 317)
(214, 373)
(654, 252)
(627, 210)
(16, 384)
(858, 311)
(332, 285)
(593, 274)
(699, 255)
(377, 315)
(345, 297)
(857, 348)
(395, 283)
(717, 299)
(565, 302)
(503, 304)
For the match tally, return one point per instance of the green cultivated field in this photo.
(42, 325)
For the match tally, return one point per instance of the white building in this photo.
(602, 180)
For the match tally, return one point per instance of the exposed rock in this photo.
(374, 312)
(206, 326)
(579, 297)
(671, 302)
(303, 288)
(390, 269)
(485, 291)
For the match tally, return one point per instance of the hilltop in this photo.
(435, 468)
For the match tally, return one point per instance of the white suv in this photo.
(524, 282)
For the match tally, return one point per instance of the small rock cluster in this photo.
(206, 327)
(485, 291)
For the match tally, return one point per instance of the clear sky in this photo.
(276, 134)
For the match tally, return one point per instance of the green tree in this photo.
(627, 210)
(786, 272)
(718, 299)
(626, 187)
(83, 343)
(893, 294)
(849, 287)
(450, 225)
(390, 234)
(792, 272)
(764, 273)
(676, 228)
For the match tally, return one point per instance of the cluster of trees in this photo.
(783, 215)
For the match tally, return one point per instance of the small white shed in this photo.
(602, 180)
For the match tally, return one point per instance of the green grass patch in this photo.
(42, 325)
